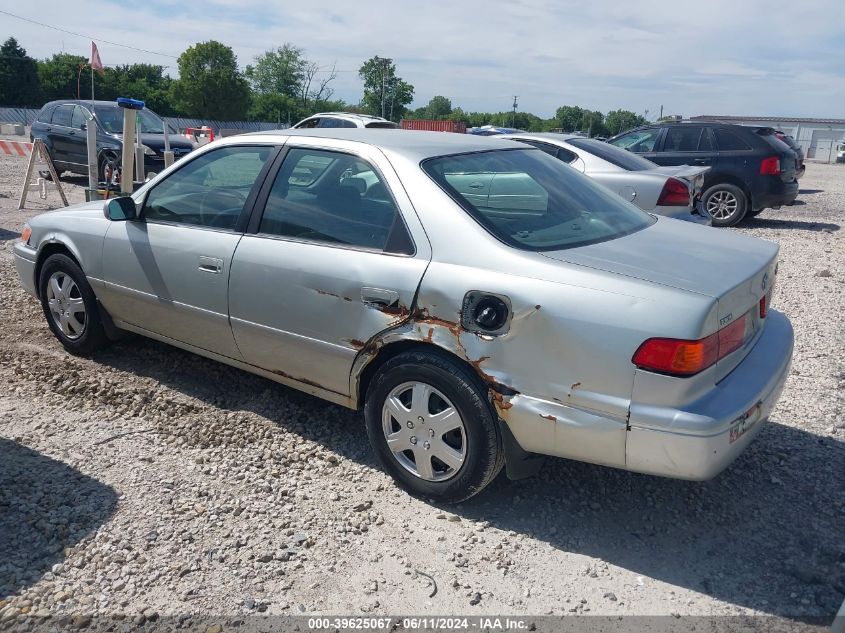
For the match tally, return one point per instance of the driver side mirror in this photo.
(120, 209)
(83, 126)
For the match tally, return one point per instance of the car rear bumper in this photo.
(696, 441)
(776, 194)
(25, 258)
(685, 214)
(700, 440)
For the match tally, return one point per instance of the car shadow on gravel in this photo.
(768, 527)
(804, 225)
(766, 534)
(45, 507)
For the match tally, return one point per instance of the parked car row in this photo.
(480, 300)
(751, 168)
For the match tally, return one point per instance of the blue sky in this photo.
(741, 57)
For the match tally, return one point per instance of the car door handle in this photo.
(210, 264)
(476, 185)
(379, 296)
(702, 161)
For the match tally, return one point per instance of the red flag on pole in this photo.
(96, 64)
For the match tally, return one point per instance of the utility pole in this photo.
(661, 113)
(513, 118)
(383, 74)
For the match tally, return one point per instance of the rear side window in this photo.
(612, 154)
(682, 138)
(348, 205)
(332, 122)
(63, 115)
(383, 124)
(727, 140)
(46, 113)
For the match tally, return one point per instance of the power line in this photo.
(87, 37)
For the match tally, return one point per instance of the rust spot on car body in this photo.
(304, 381)
(549, 417)
(575, 385)
(359, 345)
(326, 293)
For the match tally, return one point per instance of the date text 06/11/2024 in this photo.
(419, 623)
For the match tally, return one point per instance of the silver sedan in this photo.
(480, 301)
(673, 192)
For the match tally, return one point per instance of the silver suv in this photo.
(344, 119)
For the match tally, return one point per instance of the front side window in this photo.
(209, 191)
(682, 139)
(639, 141)
(332, 122)
(534, 202)
(346, 203)
(79, 117)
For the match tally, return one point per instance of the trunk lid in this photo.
(734, 269)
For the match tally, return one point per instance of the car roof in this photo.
(82, 102)
(543, 136)
(413, 144)
(348, 115)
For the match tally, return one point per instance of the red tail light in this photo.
(678, 357)
(770, 166)
(675, 194)
(763, 307)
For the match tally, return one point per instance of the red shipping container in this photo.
(434, 126)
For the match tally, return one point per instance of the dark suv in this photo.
(749, 171)
(62, 124)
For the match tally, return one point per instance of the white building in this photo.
(818, 138)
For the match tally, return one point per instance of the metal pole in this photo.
(168, 155)
(91, 137)
(128, 154)
(139, 149)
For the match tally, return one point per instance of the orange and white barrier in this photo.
(16, 148)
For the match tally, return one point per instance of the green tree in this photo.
(592, 122)
(620, 120)
(278, 71)
(19, 85)
(60, 77)
(210, 84)
(385, 93)
(274, 107)
(569, 118)
(438, 108)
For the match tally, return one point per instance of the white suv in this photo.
(344, 119)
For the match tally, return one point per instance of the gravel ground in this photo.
(150, 482)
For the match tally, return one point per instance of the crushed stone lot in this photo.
(150, 482)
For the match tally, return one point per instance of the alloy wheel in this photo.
(67, 307)
(722, 205)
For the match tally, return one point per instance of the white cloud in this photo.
(719, 56)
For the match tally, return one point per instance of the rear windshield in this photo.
(532, 201)
(111, 118)
(612, 154)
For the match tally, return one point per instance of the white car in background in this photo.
(668, 191)
(344, 119)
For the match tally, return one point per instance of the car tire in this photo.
(65, 295)
(410, 403)
(107, 159)
(726, 204)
